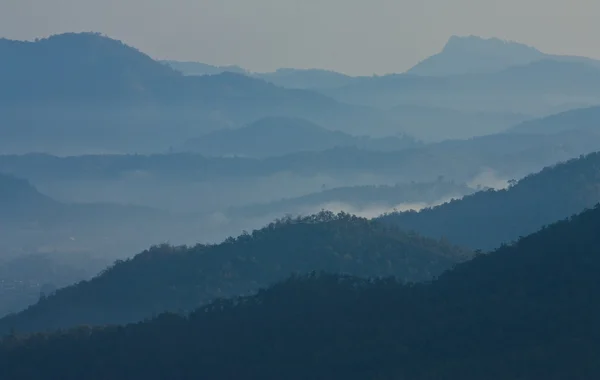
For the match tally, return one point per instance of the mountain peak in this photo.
(473, 54)
(491, 45)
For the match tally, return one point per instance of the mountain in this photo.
(506, 155)
(362, 200)
(170, 278)
(524, 311)
(198, 68)
(492, 217)
(476, 55)
(587, 119)
(305, 78)
(436, 124)
(284, 77)
(35, 224)
(275, 136)
(534, 89)
(471, 54)
(100, 95)
(19, 199)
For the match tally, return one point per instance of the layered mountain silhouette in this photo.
(476, 55)
(524, 311)
(275, 136)
(537, 88)
(198, 68)
(471, 54)
(100, 95)
(168, 278)
(284, 77)
(506, 155)
(587, 119)
(492, 217)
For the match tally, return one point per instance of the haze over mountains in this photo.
(474, 86)
(263, 195)
(276, 136)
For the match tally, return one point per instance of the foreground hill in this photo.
(167, 278)
(275, 136)
(99, 94)
(525, 311)
(487, 219)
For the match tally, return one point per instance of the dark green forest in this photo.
(167, 278)
(525, 311)
(485, 220)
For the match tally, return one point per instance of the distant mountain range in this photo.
(476, 55)
(587, 119)
(277, 136)
(101, 95)
(536, 88)
(284, 77)
(507, 155)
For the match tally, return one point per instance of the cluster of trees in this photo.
(167, 278)
(524, 311)
(485, 220)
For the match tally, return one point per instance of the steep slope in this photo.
(525, 311)
(471, 54)
(276, 136)
(489, 218)
(579, 119)
(167, 278)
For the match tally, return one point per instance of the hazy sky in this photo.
(352, 36)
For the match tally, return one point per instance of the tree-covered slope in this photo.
(168, 278)
(525, 311)
(486, 219)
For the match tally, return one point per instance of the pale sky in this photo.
(351, 36)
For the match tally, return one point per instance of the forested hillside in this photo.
(486, 219)
(167, 278)
(525, 311)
